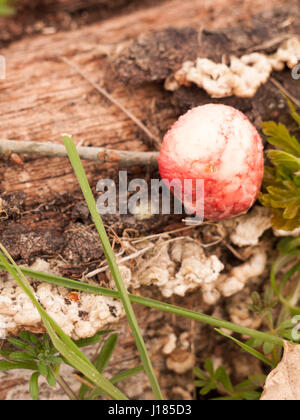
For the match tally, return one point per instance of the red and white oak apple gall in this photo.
(218, 144)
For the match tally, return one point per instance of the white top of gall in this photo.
(213, 133)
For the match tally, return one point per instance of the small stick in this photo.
(98, 154)
(285, 91)
(114, 101)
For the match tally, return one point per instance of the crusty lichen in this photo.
(236, 280)
(176, 268)
(79, 318)
(246, 230)
(241, 78)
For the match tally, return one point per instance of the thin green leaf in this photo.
(109, 254)
(126, 374)
(249, 349)
(85, 342)
(106, 353)
(20, 344)
(151, 303)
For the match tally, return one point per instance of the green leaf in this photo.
(51, 379)
(258, 380)
(126, 374)
(20, 344)
(5, 353)
(249, 349)
(85, 342)
(34, 386)
(43, 369)
(294, 112)
(20, 356)
(18, 365)
(207, 389)
(279, 136)
(224, 378)
(283, 181)
(112, 263)
(251, 395)
(209, 367)
(268, 348)
(289, 161)
(200, 374)
(106, 353)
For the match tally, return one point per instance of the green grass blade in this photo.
(106, 353)
(59, 339)
(109, 254)
(151, 303)
(126, 374)
(85, 342)
(249, 350)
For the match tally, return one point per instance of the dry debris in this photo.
(283, 383)
(181, 361)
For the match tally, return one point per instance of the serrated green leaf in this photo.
(285, 159)
(279, 136)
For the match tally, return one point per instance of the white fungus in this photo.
(241, 78)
